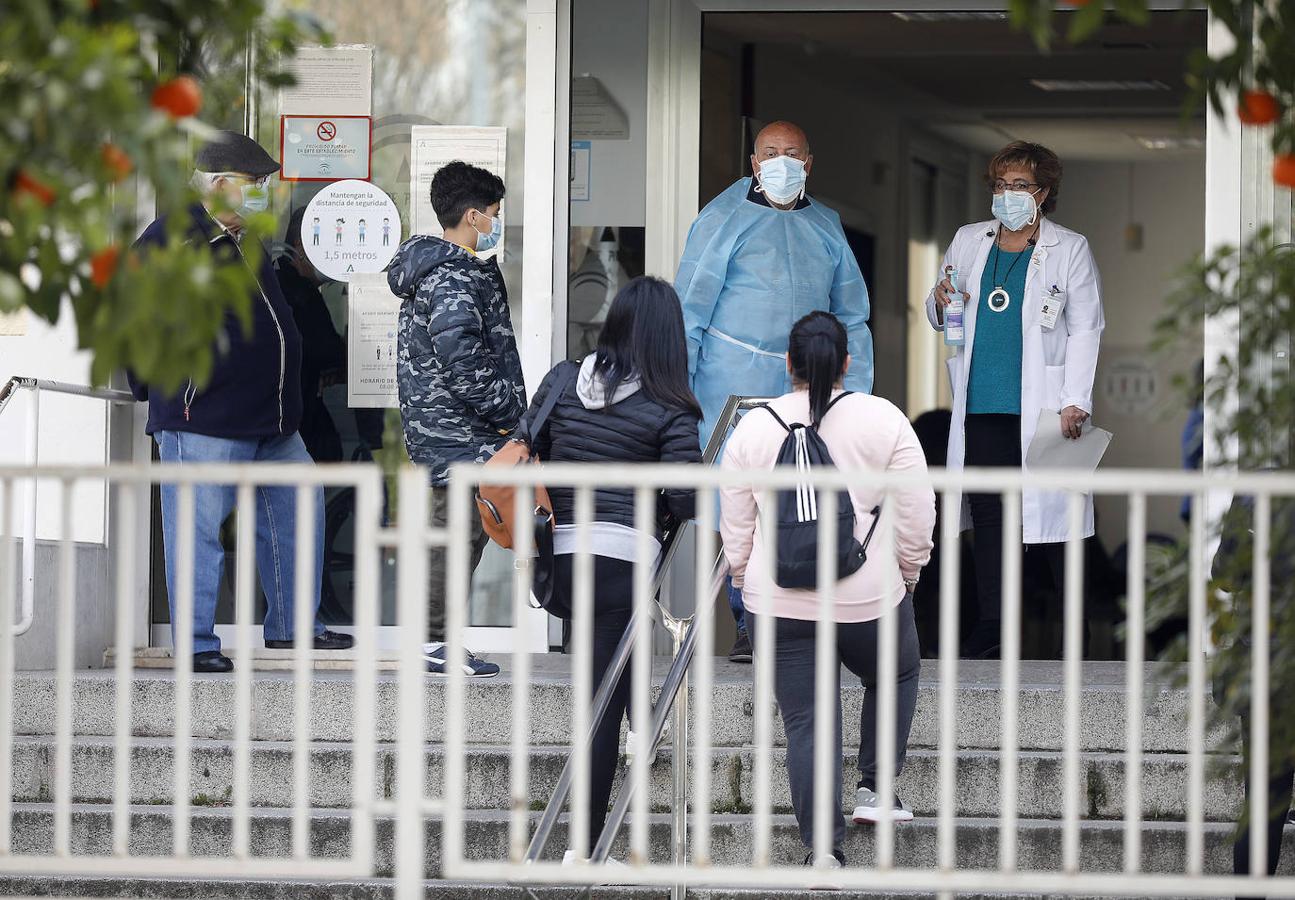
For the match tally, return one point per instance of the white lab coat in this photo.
(1058, 365)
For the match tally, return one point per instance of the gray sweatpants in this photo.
(856, 646)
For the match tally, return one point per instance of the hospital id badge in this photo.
(1054, 301)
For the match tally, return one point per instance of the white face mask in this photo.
(782, 179)
(1015, 209)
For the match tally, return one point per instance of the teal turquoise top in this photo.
(995, 383)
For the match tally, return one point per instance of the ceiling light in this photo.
(951, 16)
(1169, 143)
(1076, 85)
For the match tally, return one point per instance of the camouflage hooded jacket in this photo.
(458, 371)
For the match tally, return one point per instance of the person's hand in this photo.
(1072, 420)
(944, 293)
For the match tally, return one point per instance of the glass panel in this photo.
(608, 176)
(435, 62)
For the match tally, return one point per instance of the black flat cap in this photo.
(230, 151)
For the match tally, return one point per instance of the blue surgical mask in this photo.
(490, 240)
(782, 179)
(1015, 209)
(256, 199)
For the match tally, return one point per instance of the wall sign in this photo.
(432, 146)
(372, 319)
(334, 79)
(325, 148)
(350, 227)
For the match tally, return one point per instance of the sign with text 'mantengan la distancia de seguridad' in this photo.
(350, 227)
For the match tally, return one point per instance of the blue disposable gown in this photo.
(748, 272)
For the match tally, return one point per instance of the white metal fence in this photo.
(689, 859)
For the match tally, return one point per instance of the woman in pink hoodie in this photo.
(861, 432)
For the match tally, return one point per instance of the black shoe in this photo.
(837, 854)
(325, 640)
(741, 652)
(985, 640)
(212, 661)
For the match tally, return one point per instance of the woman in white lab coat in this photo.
(1033, 320)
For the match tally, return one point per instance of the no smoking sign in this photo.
(325, 148)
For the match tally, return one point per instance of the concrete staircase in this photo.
(485, 796)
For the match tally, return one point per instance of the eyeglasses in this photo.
(999, 185)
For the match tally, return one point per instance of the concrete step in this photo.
(489, 703)
(381, 889)
(1164, 777)
(486, 836)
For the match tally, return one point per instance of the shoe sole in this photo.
(866, 816)
(476, 675)
(741, 658)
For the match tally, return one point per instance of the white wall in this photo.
(1168, 199)
(73, 430)
(609, 42)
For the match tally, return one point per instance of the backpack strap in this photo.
(836, 399)
(769, 409)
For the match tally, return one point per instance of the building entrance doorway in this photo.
(903, 110)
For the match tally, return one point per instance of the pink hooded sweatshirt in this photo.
(861, 432)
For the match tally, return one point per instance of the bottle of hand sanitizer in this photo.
(955, 334)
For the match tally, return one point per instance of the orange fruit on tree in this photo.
(180, 97)
(102, 265)
(25, 183)
(1284, 169)
(116, 161)
(1258, 108)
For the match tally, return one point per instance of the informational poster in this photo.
(349, 228)
(372, 319)
(1130, 384)
(325, 148)
(13, 324)
(333, 80)
(432, 146)
(581, 153)
(595, 114)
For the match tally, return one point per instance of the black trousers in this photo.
(1281, 781)
(613, 605)
(993, 440)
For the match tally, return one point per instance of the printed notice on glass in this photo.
(595, 114)
(335, 81)
(372, 320)
(13, 324)
(432, 146)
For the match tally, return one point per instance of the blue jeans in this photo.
(735, 604)
(276, 531)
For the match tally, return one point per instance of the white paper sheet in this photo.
(373, 316)
(1050, 449)
(332, 81)
(432, 146)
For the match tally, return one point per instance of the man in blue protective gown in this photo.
(759, 256)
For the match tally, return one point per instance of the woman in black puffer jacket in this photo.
(630, 403)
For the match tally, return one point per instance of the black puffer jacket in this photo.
(633, 429)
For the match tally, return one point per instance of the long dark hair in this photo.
(643, 337)
(817, 352)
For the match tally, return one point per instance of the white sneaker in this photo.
(828, 863)
(867, 808)
(631, 745)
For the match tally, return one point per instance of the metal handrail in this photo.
(685, 638)
(32, 458)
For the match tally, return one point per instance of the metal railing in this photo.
(948, 874)
(694, 859)
(31, 457)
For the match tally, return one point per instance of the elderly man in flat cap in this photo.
(247, 411)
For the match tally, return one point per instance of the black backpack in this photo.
(797, 546)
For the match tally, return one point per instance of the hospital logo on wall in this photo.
(350, 227)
